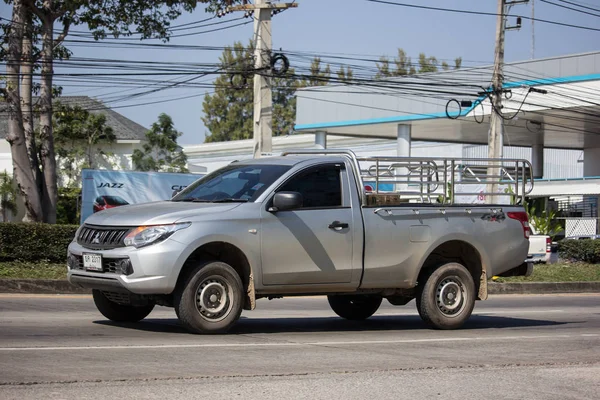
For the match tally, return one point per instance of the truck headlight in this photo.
(77, 234)
(147, 235)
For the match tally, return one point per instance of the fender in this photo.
(252, 258)
(485, 261)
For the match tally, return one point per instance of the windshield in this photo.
(235, 182)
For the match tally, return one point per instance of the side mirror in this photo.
(285, 201)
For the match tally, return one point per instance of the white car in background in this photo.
(542, 250)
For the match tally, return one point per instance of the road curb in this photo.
(53, 286)
(40, 286)
(543, 287)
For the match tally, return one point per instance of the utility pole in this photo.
(532, 29)
(263, 99)
(496, 131)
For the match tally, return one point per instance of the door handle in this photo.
(338, 226)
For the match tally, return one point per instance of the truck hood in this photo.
(155, 213)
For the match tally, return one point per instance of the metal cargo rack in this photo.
(434, 180)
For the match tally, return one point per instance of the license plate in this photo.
(92, 262)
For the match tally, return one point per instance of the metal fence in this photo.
(391, 180)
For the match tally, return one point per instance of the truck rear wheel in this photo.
(447, 297)
(210, 299)
(354, 307)
(120, 312)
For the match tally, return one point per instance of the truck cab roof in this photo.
(291, 160)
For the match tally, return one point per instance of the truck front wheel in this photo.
(447, 297)
(120, 312)
(211, 298)
(354, 307)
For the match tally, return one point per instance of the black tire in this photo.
(120, 312)
(354, 307)
(447, 297)
(213, 284)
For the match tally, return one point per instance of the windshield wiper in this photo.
(193, 200)
(226, 200)
(230, 200)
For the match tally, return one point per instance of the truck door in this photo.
(313, 244)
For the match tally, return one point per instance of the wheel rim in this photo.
(451, 296)
(214, 298)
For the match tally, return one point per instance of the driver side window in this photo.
(321, 187)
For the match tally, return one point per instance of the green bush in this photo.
(35, 242)
(67, 210)
(585, 250)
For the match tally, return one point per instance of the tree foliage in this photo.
(67, 210)
(543, 222)
(345, 75)
(403, 65)
(32, 24)
(161, 153)
(8, 196)
(229, 111)
(318, 75)
(80, 138)
(427, 64)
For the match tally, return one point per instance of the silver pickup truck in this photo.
(357, 230)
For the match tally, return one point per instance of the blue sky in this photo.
(357, 27)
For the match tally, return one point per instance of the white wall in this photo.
(121, 160)
(211, 156)
(5, 158)
(118, 158)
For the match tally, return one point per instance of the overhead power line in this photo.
(452, 10)
(570, 8)
(579, 5)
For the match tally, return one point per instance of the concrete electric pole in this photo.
(532, 29)
(263, 99)
(496, 131)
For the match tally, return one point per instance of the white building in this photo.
(129, 136)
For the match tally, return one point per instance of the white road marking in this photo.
(292, 344)
(482, 312)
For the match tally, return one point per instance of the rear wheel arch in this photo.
(462, 252)
(229, 254)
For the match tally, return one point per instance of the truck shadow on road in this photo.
(334, 324)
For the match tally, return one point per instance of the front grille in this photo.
(120, 266)
(102, 238)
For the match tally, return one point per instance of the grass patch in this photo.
(563, 272)
(22, 270)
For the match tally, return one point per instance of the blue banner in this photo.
(107, 189)
(383, 187)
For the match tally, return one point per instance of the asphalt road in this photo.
(513, 347)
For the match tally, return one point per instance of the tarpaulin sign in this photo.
(104, 189)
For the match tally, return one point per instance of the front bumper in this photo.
(155, 268)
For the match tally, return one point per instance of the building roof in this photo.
(563, 113)
(566, 187)
(123, 127)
